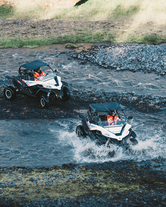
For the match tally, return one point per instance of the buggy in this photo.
(96, 125)
(45, 88)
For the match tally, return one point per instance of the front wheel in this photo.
(80, 131)
(9, 93)
(133, 134)
(44, 104)
(133, 141)
(66, 95)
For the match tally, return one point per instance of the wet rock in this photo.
(126, 56)
(70, 45)
(31, 179)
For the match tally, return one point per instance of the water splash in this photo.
(151, 144)
(50, 142)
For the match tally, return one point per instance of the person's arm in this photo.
(36, 75)
(43, 74)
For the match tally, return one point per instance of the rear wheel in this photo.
(80, 131)
(44, 104)
(66, 95)
(9, 93)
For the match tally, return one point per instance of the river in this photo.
(45, 142)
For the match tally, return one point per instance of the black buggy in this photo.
(46, 88)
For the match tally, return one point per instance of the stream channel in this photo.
(46, 142)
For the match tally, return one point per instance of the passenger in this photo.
(112, 118)
(116, 118)
(38, 73)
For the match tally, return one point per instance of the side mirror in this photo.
(130, 117)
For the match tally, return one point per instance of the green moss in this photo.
(147, 39)
(152, 39)
(64, 186)
(70, 45)
(111, 187)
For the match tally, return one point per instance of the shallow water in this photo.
(110, 80)
(84, 75)
(49, 142)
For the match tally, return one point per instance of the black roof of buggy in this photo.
(104, 107)
(34, 65)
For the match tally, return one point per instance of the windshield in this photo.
(106, 124)
(111, 120)
(46, 77)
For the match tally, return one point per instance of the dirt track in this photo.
(51, 27)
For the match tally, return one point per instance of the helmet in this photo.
(113, 113)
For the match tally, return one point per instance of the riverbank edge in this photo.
(72, 41)
(32, 33)
(70, 184)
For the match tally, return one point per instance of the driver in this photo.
(38, 73)
(112, 117)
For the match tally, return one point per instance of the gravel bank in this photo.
(132, 57)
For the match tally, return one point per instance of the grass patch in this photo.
(6, 11)
(77, 38)
(28, 42)
(147, 39)
(152, 39)
(93, 10)
(121, 12)
(94, 21)
(35, 42)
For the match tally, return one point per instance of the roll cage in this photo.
(98, 112)
(27, 70)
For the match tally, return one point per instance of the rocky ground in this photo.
(123, 183)
(132, 57)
